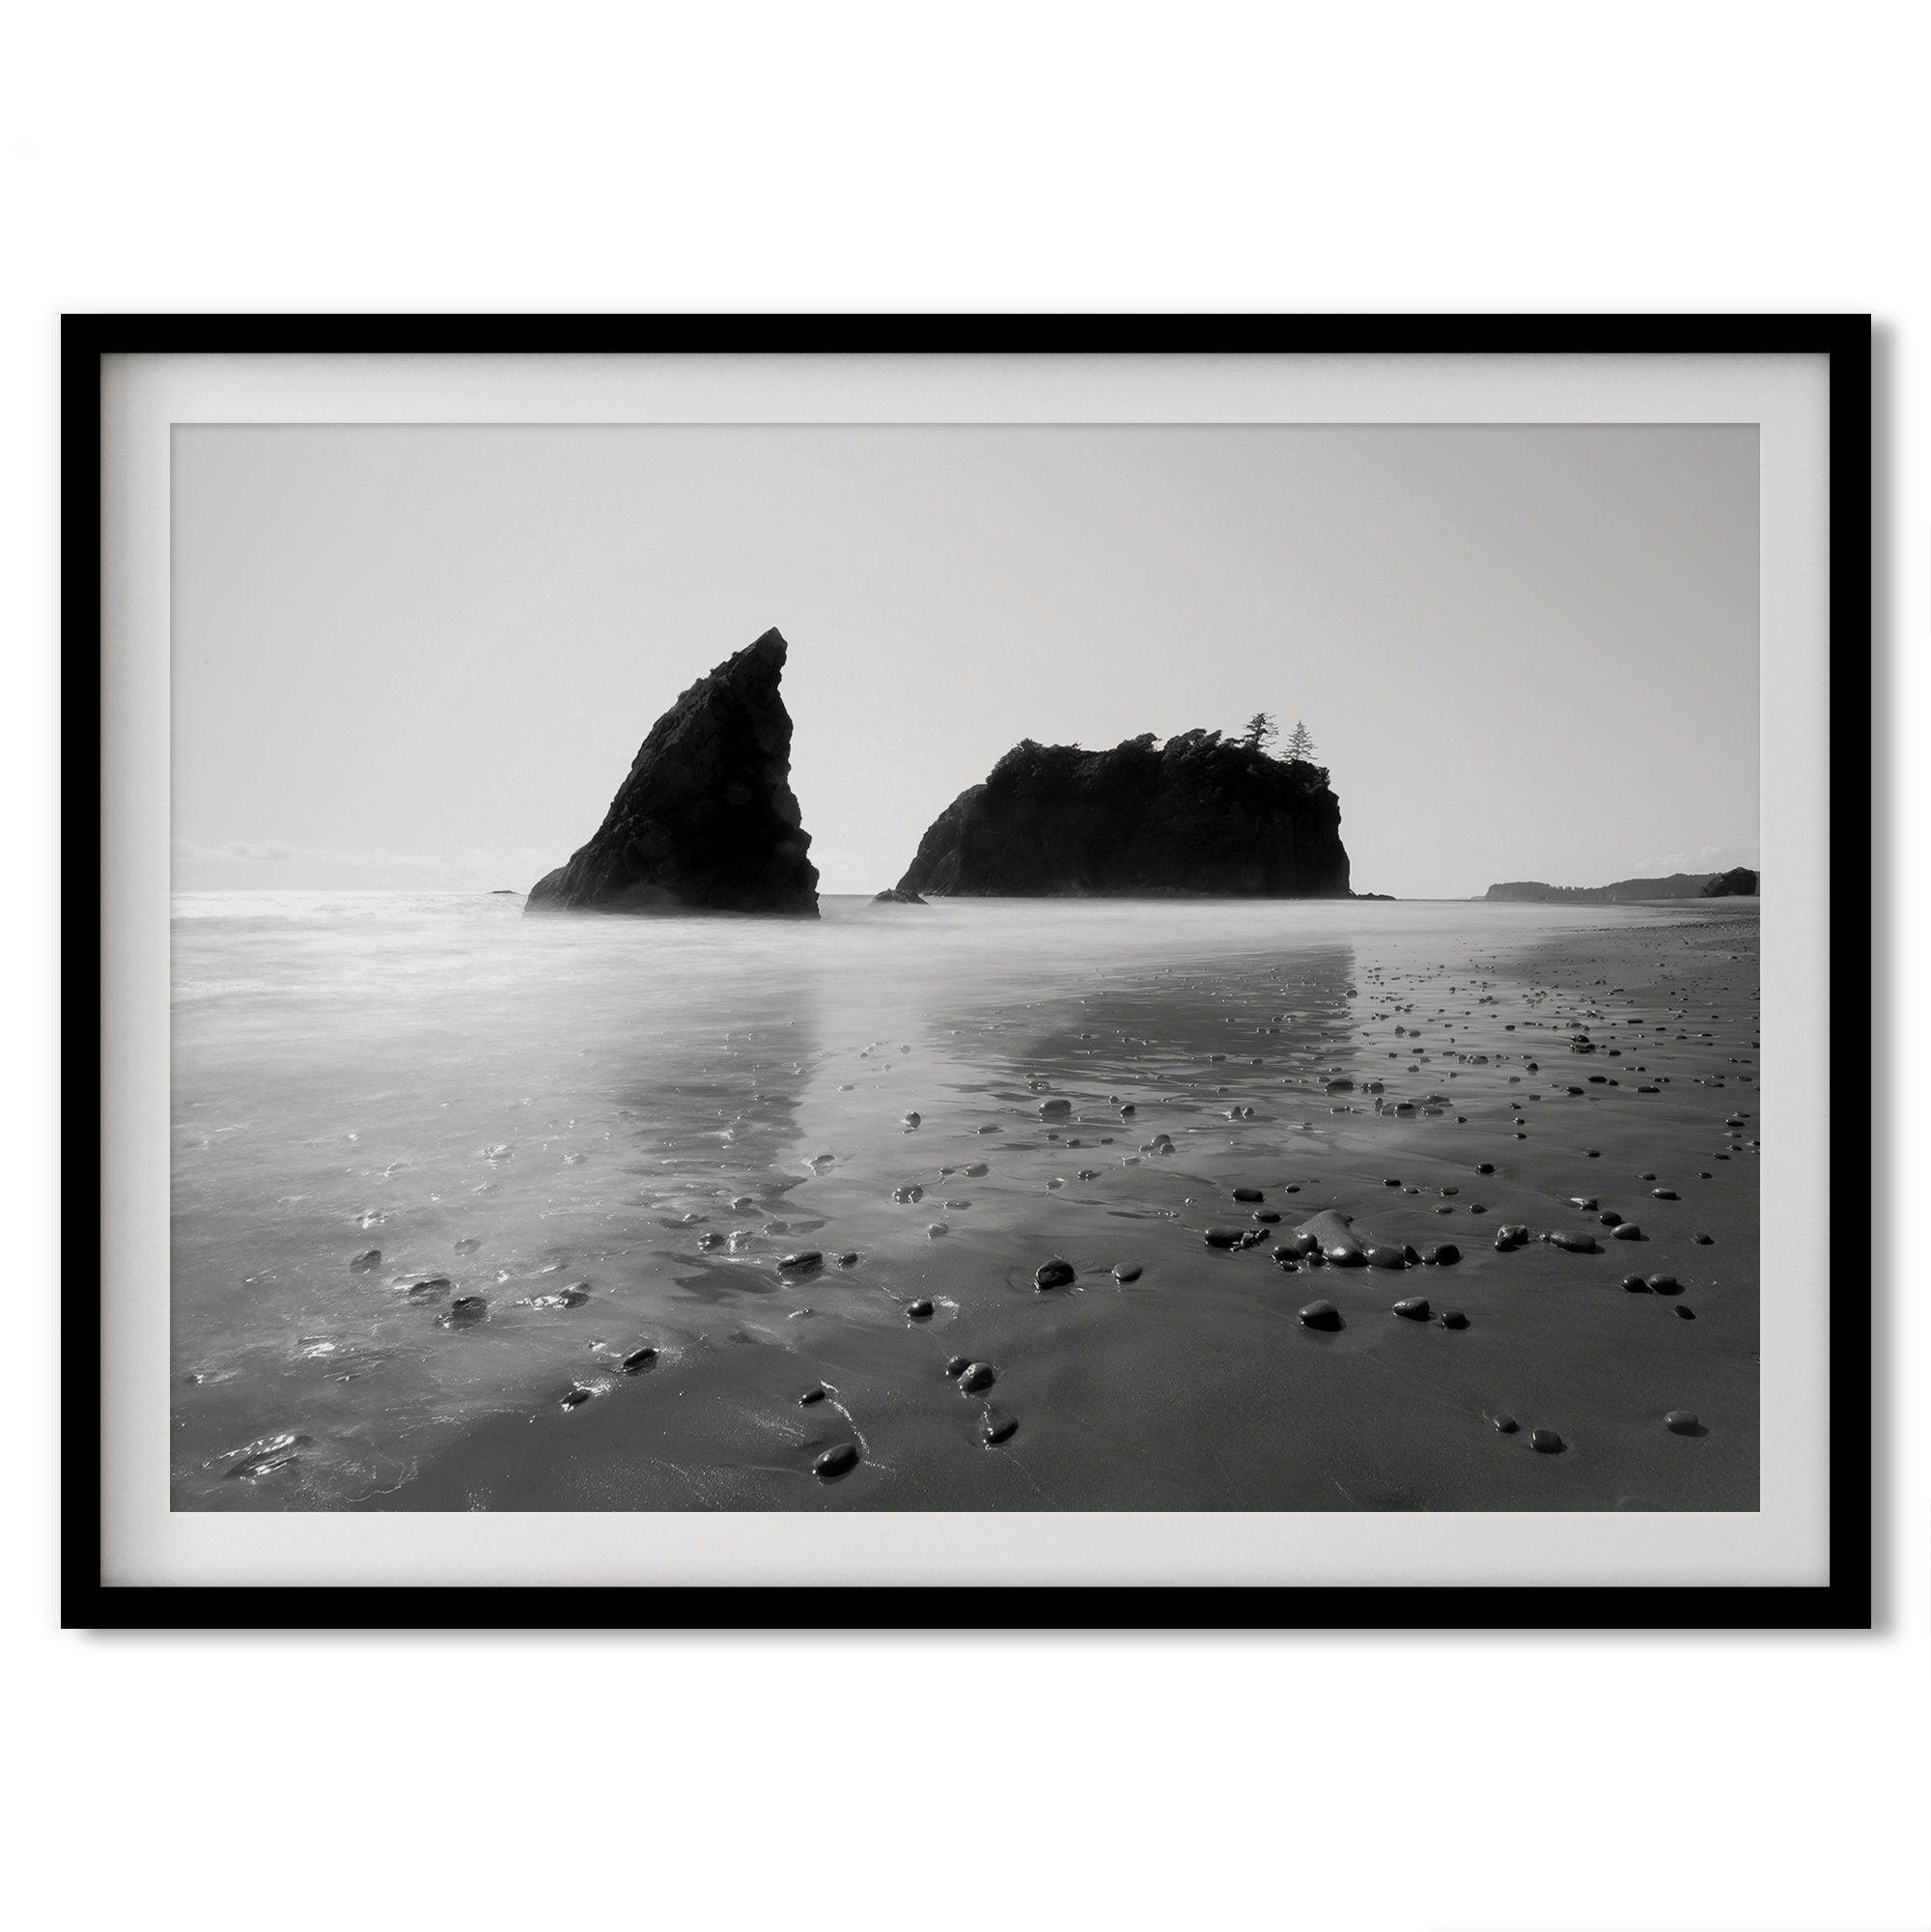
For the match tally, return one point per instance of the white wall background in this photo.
(1026, 156)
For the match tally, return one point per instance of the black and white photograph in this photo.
(965, 969)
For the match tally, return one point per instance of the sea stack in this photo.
(1199, 816)
(706, 822)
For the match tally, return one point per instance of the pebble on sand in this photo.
(1443, 1254)
(1126, 1271)
(370, 1257)
(997, 1427)
(1626, 1231)
(1665, 1284)
(1321, 1315)
(1547, 1441)
(800, 1263)
(812, 1396)
(463, 1312)
(958, 1365)
(840, 1460)
(1505, 1423)
(1053, 1273)
(639, 1359)
(1248, 1194)
(1412, 1308)
(1453, 1318)
(1683, 1422)
(1571, 1243)
(975, 1376)
(919, 1310)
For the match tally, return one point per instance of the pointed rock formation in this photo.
(706, 822)
(1199, 815)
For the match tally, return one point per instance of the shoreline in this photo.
(1193, 1386)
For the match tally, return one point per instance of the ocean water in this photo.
(612, 1130)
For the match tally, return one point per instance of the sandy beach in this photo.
(779, 1265)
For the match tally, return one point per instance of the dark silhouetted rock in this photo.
(706, 822)
(1199, 816)
(896, 895)
(1739, 882)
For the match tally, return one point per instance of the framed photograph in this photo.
(777, 971)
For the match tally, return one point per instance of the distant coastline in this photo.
(1739, 881)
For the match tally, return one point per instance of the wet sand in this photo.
(1604, 1071)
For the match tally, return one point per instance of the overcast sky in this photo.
(409, 657)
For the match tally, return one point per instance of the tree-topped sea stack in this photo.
(706, 822)
(1199, 815)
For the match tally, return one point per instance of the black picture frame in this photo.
(1844, 1602)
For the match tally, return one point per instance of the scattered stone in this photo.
(1627, 1231)
(997, 1427)
(1683, 1422)
(1571, 1243)
(1505, 1424)
(1453, 1318)
(801, 1263)
(975, 1376)
(1321, 1315)
(577, 1394)
(840, 1460)
(1053, 1273)
(639, 1359)
(1414, 1308)
(360, 1264)
(1547, 1441)
(1665, 1284)
(1443, 1254)
(1126, 1271)
(465, 1312)
(958, 1365)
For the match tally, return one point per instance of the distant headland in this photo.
(1739, 881)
